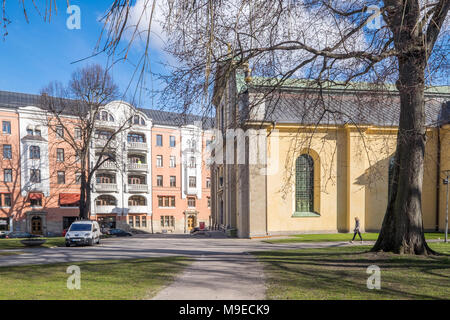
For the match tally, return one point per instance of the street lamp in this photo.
(446, 182)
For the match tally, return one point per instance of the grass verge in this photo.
(15, 243)
(340, 273)
(100, 280)
(332, 237)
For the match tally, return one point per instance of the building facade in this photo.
(312, 160)
(40, 181)
(181, 179)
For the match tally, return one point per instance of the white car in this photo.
(83, 233)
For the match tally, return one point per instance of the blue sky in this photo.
(36, 53)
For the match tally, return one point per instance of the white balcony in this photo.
(138, 209)
(105, 124)
(108, 165)
(106, 187)
(142, 146)
(137, 166)
(137, 187)
(100, 143)
(106, 209)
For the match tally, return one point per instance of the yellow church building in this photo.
(307, 159)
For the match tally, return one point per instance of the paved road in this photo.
(223, 269)
(143, 246)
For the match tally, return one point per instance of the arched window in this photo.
(136, 201)
(390, 175)
(105, 200)
(304, 184)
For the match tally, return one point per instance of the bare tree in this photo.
(324, 41)
(73, 115)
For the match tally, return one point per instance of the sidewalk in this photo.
(218, 277)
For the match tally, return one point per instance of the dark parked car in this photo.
(119, 233)
(19, 234)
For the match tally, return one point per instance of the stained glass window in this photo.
(304, 184)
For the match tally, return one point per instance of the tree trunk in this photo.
(83, 197)
(402, 228)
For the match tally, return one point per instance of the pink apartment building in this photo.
(180, 176)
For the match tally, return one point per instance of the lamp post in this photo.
(446, 182)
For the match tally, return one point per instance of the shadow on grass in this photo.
(340, 273)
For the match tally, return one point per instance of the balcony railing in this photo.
(137, 166)
(106, 209)
(108, 165)
(100, 143)
(137, 146)
(138, 209)
(106, 187)
(138, 187)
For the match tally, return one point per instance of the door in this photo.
(190, 223)
(36, 225)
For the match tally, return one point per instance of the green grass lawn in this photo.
(108, 279)
(15, 243)
(340, 273)
(9, 253)
(330, 237)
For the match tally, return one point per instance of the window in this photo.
(35, 175)
(173, 181)
(167, 221)
(105, 200)
(35, 152)
(7, 175)
(208, 183)
(192, 182)
(130, 221)
(139, 120)
(191, 202)
(173, 162)
(209, 202)
(166, 201)
(137, 221)
(172, 141)
(103, 135)
(105, 116)
(7, 200)
(6, 125)
(61, 177)
(60, 155)
(159, 141)
(304, 184)
(105, 178)
(135, 137)
(159, 161)
(60, 131)
(159, 181)
(7, 152)
(77, 133)
(192, 162)
(37, 132)
(36, 202)
(29, 132)
(136, 201)
(133, 179)
(144, 221)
